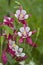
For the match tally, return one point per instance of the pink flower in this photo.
(4, 58)
(15, 51)
(21, 15)
(8, 21)
(25, 33)
(20, 55)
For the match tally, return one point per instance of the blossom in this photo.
(25, 33)
(15, 51)
(8, 21)
(4, 58)
(20, 56)
(21, 15)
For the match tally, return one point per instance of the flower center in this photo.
(14, 45)
(24, 33)
(21, 16)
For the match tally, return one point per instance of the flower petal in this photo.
(22, 29)
(26, 16)
(20, 49)
(18, 12)
(10, 41)
(22, 54)
(27, 29)
(23, 12)
(29, 40)
(4, 58)
(30, 33)
(16, 48)
(23, 22)
(21, 40)
(19, 34)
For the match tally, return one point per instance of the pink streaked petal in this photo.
(23, 22)
(8, 19)
(21, 58)
(10, 36)
(12, 19)
(29, 40)
(21, 40)
(34, 45)
(12, 53)
(4, 58)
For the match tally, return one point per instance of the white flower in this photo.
(12, 45)
(24, 32)
(21, 14)
(19, 53)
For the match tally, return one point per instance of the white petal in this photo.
(16, 48)
(17, 54)
(22, 54)
(18, 12)
(13, 42)
(19, 34)
(16, 15)
(27, 29)
(22, 29)
(26, 16)
(23, 12)
(4, 20)
(20, 49)
(10, 41)
(30, 33)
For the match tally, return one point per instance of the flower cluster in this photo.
(25, 34)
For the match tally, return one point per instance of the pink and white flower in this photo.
(21, 15)
(14, 50)
(8, 21)
(25, 33)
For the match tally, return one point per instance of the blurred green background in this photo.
(34, 7)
